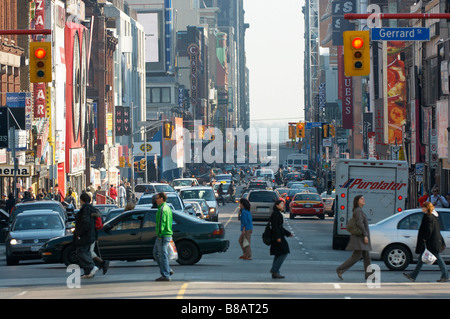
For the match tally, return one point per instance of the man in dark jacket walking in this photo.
(84, 236)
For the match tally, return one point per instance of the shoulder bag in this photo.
(352, 228)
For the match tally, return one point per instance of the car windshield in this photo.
(182, 182)
(206, 194)
(309, 197)
(264, 197)
(37, 222)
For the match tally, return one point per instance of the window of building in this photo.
(159, 95)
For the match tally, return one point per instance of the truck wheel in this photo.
(397, 257)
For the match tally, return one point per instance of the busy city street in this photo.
(309, 272)
(243, 150)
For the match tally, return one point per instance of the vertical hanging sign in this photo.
(39, 89)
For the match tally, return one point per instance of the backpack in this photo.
(267, 234)
(98, 223)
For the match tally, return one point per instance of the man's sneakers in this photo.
(91, 274)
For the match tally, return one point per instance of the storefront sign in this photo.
(8, 171)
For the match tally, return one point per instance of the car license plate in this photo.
(317, 210)
(307, 206)
(35, 248)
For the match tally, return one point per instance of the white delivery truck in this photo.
(384, 185)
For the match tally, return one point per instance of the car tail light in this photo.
(218, 232)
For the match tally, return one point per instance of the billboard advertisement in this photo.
(396, 92)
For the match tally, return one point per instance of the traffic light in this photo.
(136, 166)
(325, 132)
(40, 62)
(292, 133)
(122, 161)
(356, 53)
(167, 130)
(142, 164)
(332, 131)
(300, 129)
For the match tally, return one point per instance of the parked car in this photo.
(29, 231)
(206, 193)
(306, 204)
(262, 202)
(394, 238)
(152, 188)
(36, 205)
(132, 234)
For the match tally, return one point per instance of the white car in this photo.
(180, 183)
(152, 188)
(206, 193)
(394, 238)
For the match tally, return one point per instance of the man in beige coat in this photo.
(359, 244)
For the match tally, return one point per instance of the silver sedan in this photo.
(394, 239)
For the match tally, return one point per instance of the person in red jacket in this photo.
(113, 192)
(423, 199)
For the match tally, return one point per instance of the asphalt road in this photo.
(309, 271)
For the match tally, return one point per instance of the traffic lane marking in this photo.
(182, 290)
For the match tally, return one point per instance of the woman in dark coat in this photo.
(359, 244)
(429, 237)
(279, 247)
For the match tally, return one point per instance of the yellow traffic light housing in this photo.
(300, 129)
(40, 62)
(142, 164)
(356, 53)
(325, 132)
(292, 132)
(167, 130)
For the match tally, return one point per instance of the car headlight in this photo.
(212, 210)
(15, 241)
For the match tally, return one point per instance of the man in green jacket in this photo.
(163, 236)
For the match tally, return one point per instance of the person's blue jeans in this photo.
(440, 262)
(161, 255)
(277, 262)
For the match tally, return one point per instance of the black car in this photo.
(132, 234)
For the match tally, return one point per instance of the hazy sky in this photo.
(274, 50)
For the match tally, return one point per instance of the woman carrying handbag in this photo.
(246, 229)
(359, 243)
(429, 238)
(279, 247)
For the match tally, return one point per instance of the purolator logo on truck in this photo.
(358, 183)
